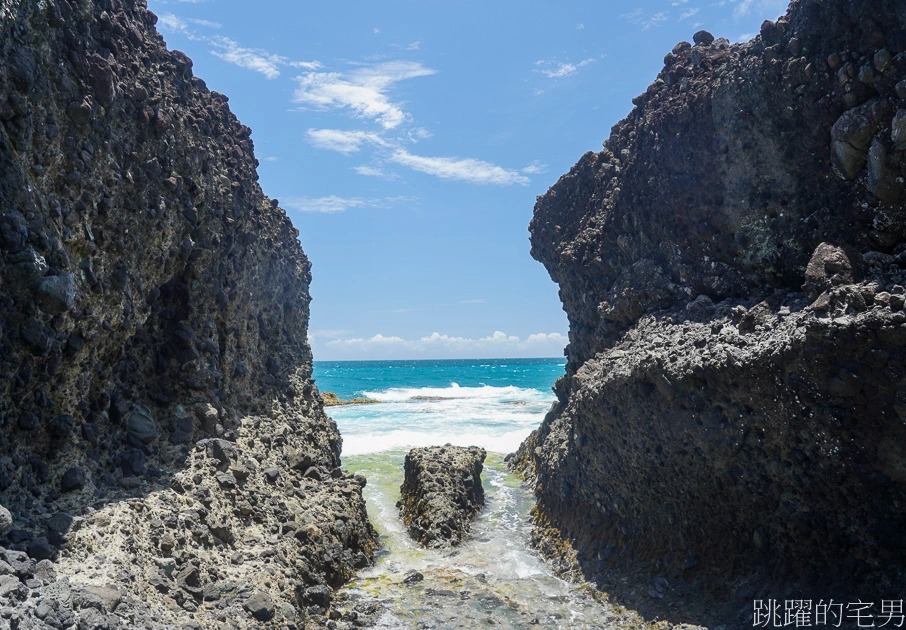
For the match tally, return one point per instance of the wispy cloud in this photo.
(333, 204)
(534, 168)
(437, 344)
(173, 22)
(374, 171)
(768, 8)
(463, 169)
(688, 13)
(558, 70)
(365, 90)
(255, 59)
(644, 19)
(342, 141)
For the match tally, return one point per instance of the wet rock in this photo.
(412, 577)
(441, 493)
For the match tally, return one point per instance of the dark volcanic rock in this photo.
(712, 409)
(151, 296)
(441, 493)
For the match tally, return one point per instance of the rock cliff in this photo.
(732, 265)
(160, 435)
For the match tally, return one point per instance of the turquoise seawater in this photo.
(494, 577)
(492, 403)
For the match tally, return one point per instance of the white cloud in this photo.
(327, 333)
(555, 70)
(333, 204)
(345, 142)
(498, 344)
(374, 171)
(767, 8)
(172, 22)
(534, 168)
(229, 50)
(377, 340)
(646, 20)
(254, 59)
(688, 13)
(743, 8)
(364, 90)
(463, 169)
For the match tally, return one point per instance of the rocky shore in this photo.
(731, 423)
(441, 493)
(161, 441)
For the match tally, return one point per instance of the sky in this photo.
(408, 141)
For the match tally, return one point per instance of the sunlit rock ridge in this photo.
(164, 456)
(732, 266)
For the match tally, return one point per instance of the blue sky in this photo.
(408, 140)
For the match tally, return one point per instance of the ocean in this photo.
(494, 577)
(492, 403)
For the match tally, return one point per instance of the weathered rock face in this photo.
(152, 296)
(441, 493)
(732, 266)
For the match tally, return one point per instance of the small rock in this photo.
(101, 598)
(60, 522)
(260, 606)
(6, 521)
(319, 595)
(141, 427)
(40, 549)
(55, 294)
(703, 38)
(73, 479)
(412, 577)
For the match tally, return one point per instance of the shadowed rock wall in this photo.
(150, 296)
(732, 266)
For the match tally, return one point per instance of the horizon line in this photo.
(563, 358)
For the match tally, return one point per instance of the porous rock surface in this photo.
(162, 445)
(732, 266)
(441, 493)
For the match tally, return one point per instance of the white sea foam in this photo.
(495, 418)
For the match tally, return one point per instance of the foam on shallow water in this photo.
(495, 418)
(492, 577)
